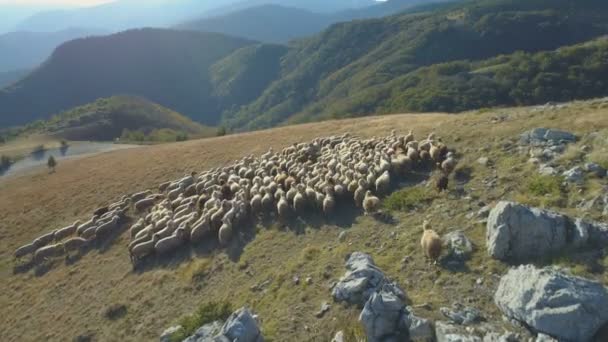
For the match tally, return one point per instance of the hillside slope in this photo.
(165, 66)
(78, 294)
(107, 119)
(342, 70)
(9, 77)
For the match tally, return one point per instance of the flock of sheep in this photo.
(214, 204)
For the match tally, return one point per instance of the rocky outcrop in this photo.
(459, 246)
(545, 136)
(362, 279)
(384, 317)
(240, 326)
(550, 302)
(519, 233)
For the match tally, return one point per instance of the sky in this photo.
(52, 2)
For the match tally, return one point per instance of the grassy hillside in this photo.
(165, 66)
(350, 62)
(108, 118)
(70, 299)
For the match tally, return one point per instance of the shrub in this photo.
(221, 131)
(408, 198)
(51, 163)
(206, 313)
(545, 185)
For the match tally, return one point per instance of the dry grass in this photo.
(71, 299)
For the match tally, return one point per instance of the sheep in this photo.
(74, 244)
(62, 233)
(163, 186)
(140, 195)
(107, 228)
(144, 204)
(136, 228)
(329, 202)
(89, 233)
(25, 250)
(359, 194)
(168, 244)
(50, 251)
(101, 210)
(225, 233)
(171, 195)
(283, 207)
(44, 239)
(200, 228)
(370, 203)
(441, 184)
(430, 242)
(299, 200)
(448, 165)
(142, 249)
(267, 201)
(167, 231)
(383, 183)
(81, 228)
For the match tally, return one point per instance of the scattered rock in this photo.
(420, 329)
(459, 246)
(206, 332)
(342, 236)
(169, 332)
(324, 308)
(484, 161)
(241, 326)
(362, 278)
(540, 136)
(339, 337)
(517, 233)
(575, 175)
(462, 315)
(446, 332)
(547, 170)
(384, 317)
(548, 301)
(595, 169)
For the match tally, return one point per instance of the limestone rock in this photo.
(384, 317)
(459, 246)
(446, 332)
(551, 302)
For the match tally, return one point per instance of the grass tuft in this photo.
(410, 198)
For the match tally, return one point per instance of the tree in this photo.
(51, 163)
(221, 131)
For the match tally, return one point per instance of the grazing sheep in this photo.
(448, 165)
(142, 249)
(101, 210)
(167, 231)
(137, 227)
(144, 204)
(329, 202)
(25, 250)
(138, 196)
(267, 201)
(442, 182)
(89, 233)
(283, 207)
(62, 233)
(90, 223)
(107, 228)
(169, 244)
(50, 251)
(74, 244)
(200, 229)
(44, 239)
(430, 242)
(225, 233)
(383, 183)
(299, 200)
(163, 186)
(171, 195)
(370, 203)
(360, 193)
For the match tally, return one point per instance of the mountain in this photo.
(9, 77)
(316, 6)
(26, 50)
(165, 66)
(346, 70)
(109, 118)
(275, 23)
(267, 23)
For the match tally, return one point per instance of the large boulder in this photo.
(361, 280)
(517, 232)
(384, 318)
(206, 333)
(563, 306)
(241, 326)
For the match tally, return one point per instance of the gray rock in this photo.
(595, 169)
(384, 317)
(459, 246)
(169, 332)
(575, 175)
(546, 136)
(324, 308)
(496, 337)
(339, 337)
(545, 338)
(241, 326)
(420, 329)
(206, 333)
(362, 278)
(548, 301)
(462, 315)
(547, 170)
(446, 332)
(517, 232)
(484, 161)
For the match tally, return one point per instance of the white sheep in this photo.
(25, 250)
(62, 233)
(383, 183)
(200, 228)
(88, 224)
(107, 228)
(370, 203)
(50, 251)
(74, 244)
(137, 227)
(140, 195)
(168, 244)
(44, 239)
(225, 233)
(142, 249)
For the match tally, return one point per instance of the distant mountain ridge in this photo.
(26, 50)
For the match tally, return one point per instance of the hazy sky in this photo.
(52, 2)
